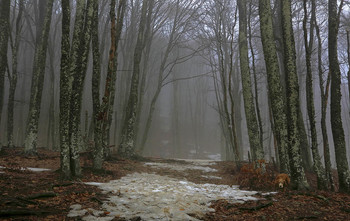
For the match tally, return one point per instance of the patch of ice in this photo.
(31, 169)
(76, 211)
(36, 169)
(212, 177)
(93, 183)
(199, 162)
(216, 157)
(155, 197)
(180, 167)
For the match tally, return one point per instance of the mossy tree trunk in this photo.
(73, 69)
(13, 77)
(293, 105)
(249, 107)
(336, 119)
(324, 103)
(103, 111)
(274, 83)
(4, 37)
(39, 67)
(309, 40)
(65, 90)
(127, 144)
(278, 36)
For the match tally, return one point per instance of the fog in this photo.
(184, 58)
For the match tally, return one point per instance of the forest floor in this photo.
(28, 194)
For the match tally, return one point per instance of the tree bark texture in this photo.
(249, 107)
(13, 76)
(38, 83)
(317, 164)
(65, 90)
(274, 83)
(4, 37)
(293, 106)
(79, 58)
(336, 120)
(103, 111)
(127, 144)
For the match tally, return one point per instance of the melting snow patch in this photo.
(180, 167)
(30, 168)
(212, 177)
(154, 197)
(36, 169)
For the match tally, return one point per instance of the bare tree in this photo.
(103, 111)
(249, 105)
(38, 82)
(317, 164)
(4, 37)
(73, 71)
(127, 144)
(15, 43)
(293, 102)
(274, 83)
(336, 120)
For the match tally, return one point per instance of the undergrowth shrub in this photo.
(258, 175)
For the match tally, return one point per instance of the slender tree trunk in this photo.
(13, 76)
(278, 36)
(73, 69)
(317, 164)
(81, 47)
(65, 90)
(103, 111)
(274, 83)
(249, 107)
(336, 120)
(293, 102)
(4, 37)
(324, 102)
(127, 145)
(38, 83)
(258, 113)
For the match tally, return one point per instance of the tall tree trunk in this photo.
(278, 35)
(293, 102)
(258, 113)
(127, 144)
(73, 69)
(81, 47)
(249, 107)
(4, 37)
(336, 120)
(13, 76)
(274, 83)
(317, 164)
(324, 104)
(102, 112)
(65, 90)
(38, 83)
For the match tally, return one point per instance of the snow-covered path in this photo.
(155, 197)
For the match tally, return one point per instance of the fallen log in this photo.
(41, 195)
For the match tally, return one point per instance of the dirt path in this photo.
(150, 196)
(125, 187)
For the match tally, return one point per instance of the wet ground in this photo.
(150, 196)
(202, 190)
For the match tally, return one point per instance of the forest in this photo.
(254, 84)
